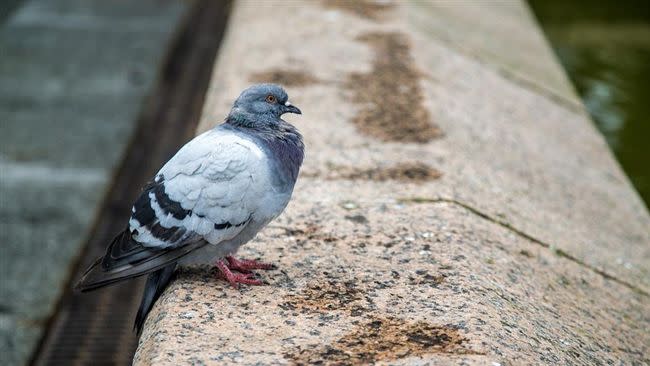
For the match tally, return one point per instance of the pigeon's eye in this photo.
(271, 98)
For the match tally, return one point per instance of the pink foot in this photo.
(236, 278)
(245, 265)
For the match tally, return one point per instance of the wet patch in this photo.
(405, 172)
(284, 77)
(309, 233)
(373, 10)
(357, 219)
(382, 339)
(526, 253)
(390, 96)
(422, 277)
(330, 295)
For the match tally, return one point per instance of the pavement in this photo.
(456, 205)
(74, 75)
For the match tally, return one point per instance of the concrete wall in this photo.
(456, 203)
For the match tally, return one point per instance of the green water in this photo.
(605, 48)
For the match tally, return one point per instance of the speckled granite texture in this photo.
(488, 225)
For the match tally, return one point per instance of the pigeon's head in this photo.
(261, 101)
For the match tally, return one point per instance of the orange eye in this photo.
(271, 98)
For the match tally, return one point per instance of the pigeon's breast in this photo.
(268, 193)
(273, 192)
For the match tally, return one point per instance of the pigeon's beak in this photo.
(290, 108)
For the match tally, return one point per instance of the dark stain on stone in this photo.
(359, 219)
(383, 339)
(310, 233)
(390, 96)
(423, 277)
(363, 8)
(329, 295)
(284, 77)
(526, 253)
(406, 172)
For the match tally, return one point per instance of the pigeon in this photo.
(213, 196)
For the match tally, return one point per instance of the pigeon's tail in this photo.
(126, 258)
(156, 284)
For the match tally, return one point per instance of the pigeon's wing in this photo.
(208, 189)
(205, 194)
(125, 258)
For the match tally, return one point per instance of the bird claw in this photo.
(243, 274)
(246, 265)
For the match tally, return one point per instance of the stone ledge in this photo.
(377, 261)
(429, 282)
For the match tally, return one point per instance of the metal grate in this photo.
(96, 328)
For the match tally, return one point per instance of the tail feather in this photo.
(125, 258)
(156, 284)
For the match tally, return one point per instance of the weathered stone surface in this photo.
(528, 245)
(499, 34)
(73, 75)
(510, 152)
(496, 297)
